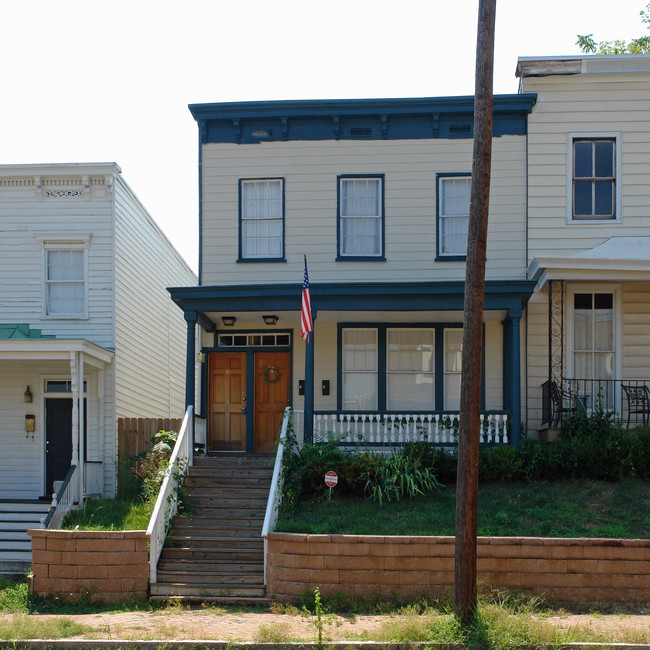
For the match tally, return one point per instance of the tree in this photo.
(639, 45)
(470, 396)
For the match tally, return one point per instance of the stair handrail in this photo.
(275, 492)
(167, 501)
(62, 500)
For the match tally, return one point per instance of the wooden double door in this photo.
(247, 395)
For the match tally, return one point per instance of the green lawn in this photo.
(110, 514)
(580, 508)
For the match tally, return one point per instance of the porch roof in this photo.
(353, 296)
(617, 258)
(49, 349)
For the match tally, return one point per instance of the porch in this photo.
(383, 361)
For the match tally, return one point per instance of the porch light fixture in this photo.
(29, 398)
(270, 319)
(229, 321)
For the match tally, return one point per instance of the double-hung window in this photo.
(410, 369)
(453, 215)
(361, 217)
(261, 235)
(453, 367)
(65, 276)
(359, 369)
(594, 190)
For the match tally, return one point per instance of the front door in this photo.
(272, 374)
(58, 440)
(227, 402)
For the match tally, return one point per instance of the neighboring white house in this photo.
(376, 194)
(88, 333)
(588, 158)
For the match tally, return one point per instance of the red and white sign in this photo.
(331, 479)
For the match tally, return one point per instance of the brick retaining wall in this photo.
(607, 570)
(107, 565)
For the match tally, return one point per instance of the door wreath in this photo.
(271, 374)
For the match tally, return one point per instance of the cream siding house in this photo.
(588, 322)
(375, 194)
(87, 331)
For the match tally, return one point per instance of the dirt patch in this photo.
(221, 625)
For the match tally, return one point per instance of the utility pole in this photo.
(470, 395)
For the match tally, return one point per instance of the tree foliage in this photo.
(639, 45)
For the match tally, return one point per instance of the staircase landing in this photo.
(16, 518)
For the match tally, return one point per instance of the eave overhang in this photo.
(54, 349)
(361, 296)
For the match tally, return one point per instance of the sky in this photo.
(90, 81)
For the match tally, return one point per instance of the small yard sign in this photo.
(331, 479)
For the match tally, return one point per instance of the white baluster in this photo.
(481, 437)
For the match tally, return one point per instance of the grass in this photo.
(22, 626)
(580, 508)
(110, 514)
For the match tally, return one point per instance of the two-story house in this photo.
(87, 331)
(376, 194)
(588, 245)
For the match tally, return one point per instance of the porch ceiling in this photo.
(57, 349)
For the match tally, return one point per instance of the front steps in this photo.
(16, 518)
(217, 552)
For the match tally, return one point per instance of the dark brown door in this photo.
(272, 374)
(227, 401)
(58, 440)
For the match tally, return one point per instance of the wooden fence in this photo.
(134, 434)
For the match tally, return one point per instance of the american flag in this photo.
(306, 322)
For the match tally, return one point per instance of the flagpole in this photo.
(307, 331)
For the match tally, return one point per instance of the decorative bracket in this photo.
(285, 127)
(384, 127)
(337, 127)
(237, 126)
(435, 124)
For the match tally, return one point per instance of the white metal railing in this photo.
(275, 493)
(63, 500)
(167, 501)
(200, 433)
(390, 429)
(94, 477)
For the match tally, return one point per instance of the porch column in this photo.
(81, 468)
(309, 383)
(190, 363)
(74, 460)
(101, 387)
(512, 374)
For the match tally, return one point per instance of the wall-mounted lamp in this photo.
(29, 398)
(228, 321)
(270, 319)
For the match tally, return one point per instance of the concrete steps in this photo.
(216, 553)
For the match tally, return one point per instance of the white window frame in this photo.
(431, 373)
(442, 178)
(58, 242)
(243, 219)
(379, 217)
(618, 338)
(590, 135)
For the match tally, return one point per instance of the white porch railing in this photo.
(94, 477)
(167, 501)
(200, 433)
(63, 500)
(391, 429)
(275, 493)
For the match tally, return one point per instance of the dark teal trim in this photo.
(510, 295)
(202, 139)
(190, 361)
(356, 119)
(440, 257)
(309, 384)
(382, 390)
(249, 260)
(381, 257)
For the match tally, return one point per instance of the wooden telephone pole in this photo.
(470, 395)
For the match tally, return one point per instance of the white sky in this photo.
(88, 81)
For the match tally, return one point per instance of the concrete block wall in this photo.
(610, 570)
(108, 566)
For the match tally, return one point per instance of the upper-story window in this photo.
(453, 215)
(361, 217)
(261, 229)
(594, 182)
(65, 264)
